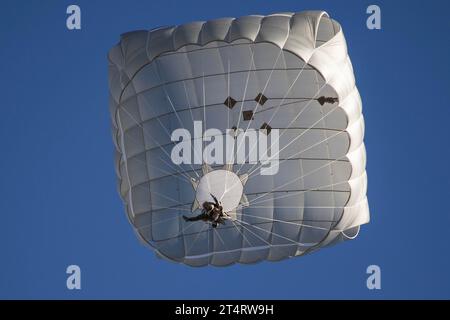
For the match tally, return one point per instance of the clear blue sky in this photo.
(58, 198)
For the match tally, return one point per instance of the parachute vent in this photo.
(261, 99)
(230, 102)
(266, 127)
(247, 115)
(322, 100)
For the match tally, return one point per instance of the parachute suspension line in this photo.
(197, 236)
(270, 232)
(176, 202)
(301, 177)
(192, 118)
(187, 226)
(238, 221)
(301, 99)
(166, 162)
(174, 208)
(204, 164)
(282, 100)
(155, 167)
(176, 114)
(306, 63)
(251, 65)
(125, 160)
(241, 223)
(253, 201)
(150, 136)
(304, 150)
(208, 233)
(135, 156)
(150, 165)
(298, 115)
(287, 193)
(297, 207)
(188, 103)
(190, 178)
(293, 223)
(216, 232)
(284, 97)
(262, 93)
(252, 169)
(300, 135)
(228, 113)
(305, 175)
(228, 76)
(233, 102)
(203, 144)
(165, 221)
(322, 101)
(242, 234)
(168, 134)
(291, 192)
(182, 232)
(228, 88)
(194, 78)
(183, 173)
(204, 105)
(278, 235)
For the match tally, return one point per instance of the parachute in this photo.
(285, 79)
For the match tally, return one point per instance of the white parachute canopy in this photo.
(211, 94)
